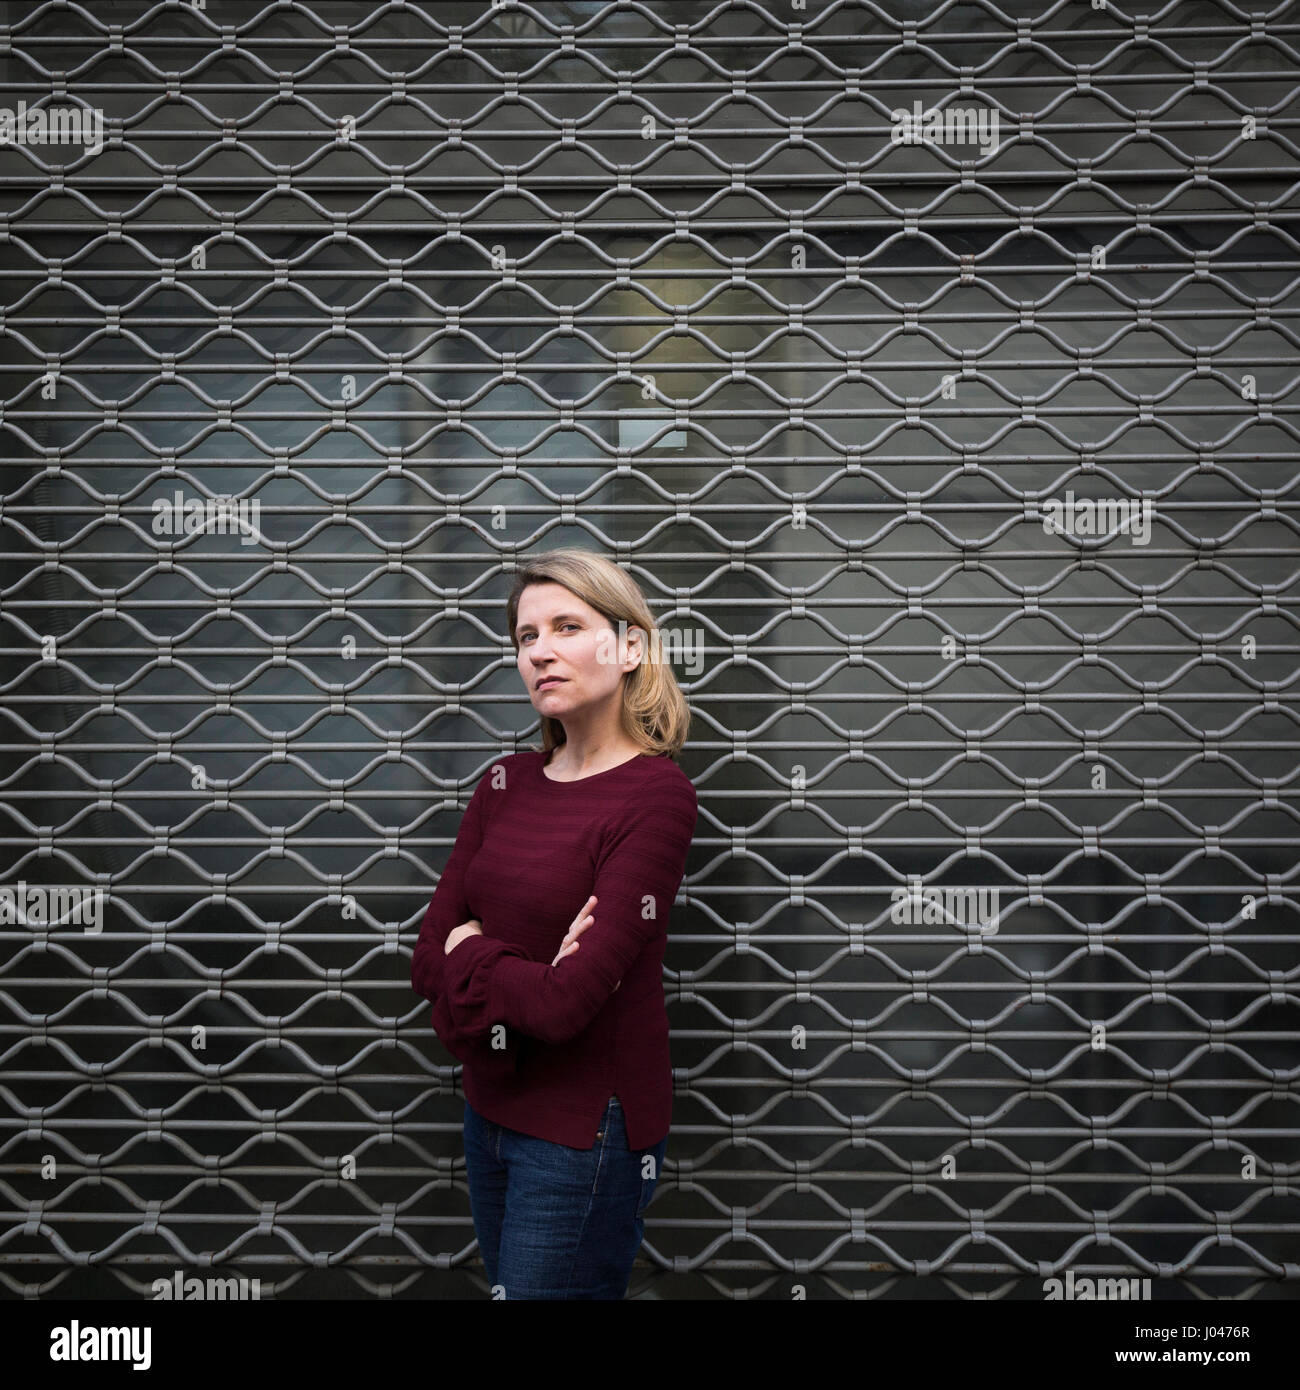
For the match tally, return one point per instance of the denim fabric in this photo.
(555, 1222)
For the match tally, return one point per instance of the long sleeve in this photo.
(447, 910)
(637, 876)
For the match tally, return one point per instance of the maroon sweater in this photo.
(529, 853)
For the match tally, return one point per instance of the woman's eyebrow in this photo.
(558, 618)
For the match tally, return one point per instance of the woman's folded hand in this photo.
(466, 929)
(580, 923)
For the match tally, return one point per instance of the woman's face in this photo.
(568, 644)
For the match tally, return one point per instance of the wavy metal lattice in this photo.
(437, 284)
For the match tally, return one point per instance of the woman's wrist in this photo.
(466, 929)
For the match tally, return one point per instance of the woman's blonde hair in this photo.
(655, 712)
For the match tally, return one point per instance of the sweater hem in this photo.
(558, 1124)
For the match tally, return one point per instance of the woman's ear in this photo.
(635, 647)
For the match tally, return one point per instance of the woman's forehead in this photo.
(546, 598)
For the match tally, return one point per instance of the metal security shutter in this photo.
(441, 284)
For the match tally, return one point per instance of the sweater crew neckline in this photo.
(540, 762)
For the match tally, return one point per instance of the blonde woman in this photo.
(542, 949)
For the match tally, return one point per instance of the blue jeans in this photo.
(555, 1222)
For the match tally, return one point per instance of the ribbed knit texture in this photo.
(529, 853)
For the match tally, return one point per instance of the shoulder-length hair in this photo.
(655, 712)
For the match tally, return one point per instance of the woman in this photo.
(543, 947)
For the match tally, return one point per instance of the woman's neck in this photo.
(563, 760)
